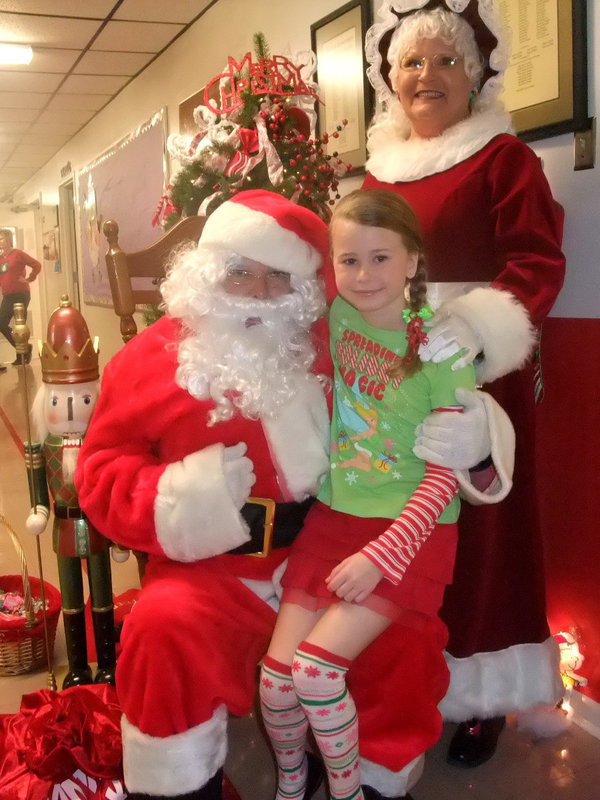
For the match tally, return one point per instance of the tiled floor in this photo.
(564, 768)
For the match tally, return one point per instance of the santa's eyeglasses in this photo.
(245, 278)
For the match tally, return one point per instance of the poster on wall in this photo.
(123, 184)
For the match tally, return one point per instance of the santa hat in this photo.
(269, 228)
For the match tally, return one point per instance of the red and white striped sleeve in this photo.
(394, 549)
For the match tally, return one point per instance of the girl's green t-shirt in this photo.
(373, 471)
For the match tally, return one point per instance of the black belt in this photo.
(284, 520)
(66, 512)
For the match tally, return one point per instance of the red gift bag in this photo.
(63, 746)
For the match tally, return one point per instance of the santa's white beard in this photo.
(245, 354)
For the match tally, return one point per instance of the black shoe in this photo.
(369, 793)
(210, 791)
(315, 774)
(3, 368)
(475, 741)
(23, 359)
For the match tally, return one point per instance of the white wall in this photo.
(227, 29)
(579, 193)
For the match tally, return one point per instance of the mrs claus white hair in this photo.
(220, 353)
(436, 24)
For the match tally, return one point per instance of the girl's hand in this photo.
(354, 578)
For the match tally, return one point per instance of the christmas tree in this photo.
(257, 134)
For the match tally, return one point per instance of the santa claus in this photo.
(223, 396)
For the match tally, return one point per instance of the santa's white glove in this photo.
(447, 336)
(37, 520)
(238, 471)
(455, 441)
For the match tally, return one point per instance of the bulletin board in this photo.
(123, 184)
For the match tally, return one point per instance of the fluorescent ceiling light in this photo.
(15, 54)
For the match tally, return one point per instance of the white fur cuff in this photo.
(503, 681)
(194, 514)
(502, 325)
(388, 783)
(502, 437)
(175, 764)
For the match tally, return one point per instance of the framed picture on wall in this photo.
(546, 81)
(345, 93)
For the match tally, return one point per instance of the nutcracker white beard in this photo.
(246, 353)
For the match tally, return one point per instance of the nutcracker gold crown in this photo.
(68, 355)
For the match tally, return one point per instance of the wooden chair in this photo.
(135, 277)
(134, 281)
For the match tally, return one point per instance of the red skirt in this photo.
(329, 536)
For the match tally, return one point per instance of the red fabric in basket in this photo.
(14, 630)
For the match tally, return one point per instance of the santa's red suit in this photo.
(152, 467)
(492, 234)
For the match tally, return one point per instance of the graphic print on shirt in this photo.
(363, 439)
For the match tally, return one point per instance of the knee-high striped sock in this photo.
(320, 681)
(287, 727)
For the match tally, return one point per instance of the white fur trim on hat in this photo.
(194, 514)
(502, 437)
(503, 681)
(174, 765)
(299, 439)
(502, 325)
(256, 235)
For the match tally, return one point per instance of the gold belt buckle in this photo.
(269, 506)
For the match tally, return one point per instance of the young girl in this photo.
(378, 546)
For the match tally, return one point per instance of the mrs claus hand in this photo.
(455, 441)
(37, 520)
(448, 336)
(354, 578)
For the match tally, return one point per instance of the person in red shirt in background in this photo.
(15, 286)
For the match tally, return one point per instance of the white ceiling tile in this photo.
(47, 31)
(50, 60)
(92, 102)
(66, 127)
(50, 139)
(15, 128)
(94, 84)
(18, 114)
(29, 82)
(137, 37)
(69, 8)
(34, 150)
(109, 62)
(79, 115)
(171, 11)
(23, 99)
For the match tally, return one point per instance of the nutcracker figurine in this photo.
(61, 412)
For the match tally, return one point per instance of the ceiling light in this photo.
(15, 54)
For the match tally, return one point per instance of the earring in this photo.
(473, 94)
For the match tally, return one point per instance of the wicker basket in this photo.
(22, 640)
